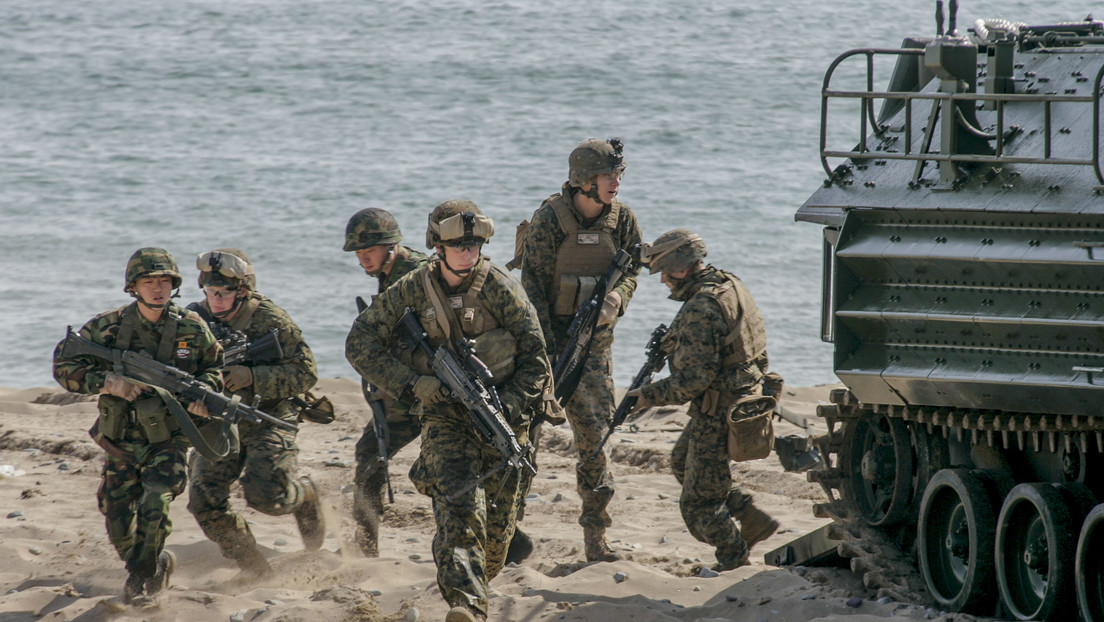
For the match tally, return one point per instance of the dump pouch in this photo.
(750, 428)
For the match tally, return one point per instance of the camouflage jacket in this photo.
(274, 381)
(694, 346)
(542, 242)
(371, 343)
(406, 261)
(200, 354)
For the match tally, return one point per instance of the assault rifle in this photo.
(469, 380)
(140, 367)
(379, 419)
(237, 349)
(569, 366)
(654, 361)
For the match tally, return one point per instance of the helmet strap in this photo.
(592, 193)
(385, 267)
(445, 263)
(231, 311)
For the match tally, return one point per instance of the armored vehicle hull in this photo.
(964, 294)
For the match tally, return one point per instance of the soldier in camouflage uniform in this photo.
(573, 238)
(144, 469)
(717, 348)
(374, 235)
(267, 459)
(459, 294)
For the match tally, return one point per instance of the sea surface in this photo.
(264, 125)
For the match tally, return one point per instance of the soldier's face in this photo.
(373, 257)
(608, 186)
(462, 258)
(221, 299)
(673, 279)
(154, 290)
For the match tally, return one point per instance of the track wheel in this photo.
(877, 463)
(1036, 534)
(955, 540)
(1089, 567)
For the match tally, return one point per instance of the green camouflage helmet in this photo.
(594, 157)
(674, 251)
(151, 261)
(371, 227)
(458, 221)
(226, 267)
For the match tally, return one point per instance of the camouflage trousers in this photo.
(710, 501)
(266, 463)
(589, 412)
(135, 494)
(370, 478)
(474, 528)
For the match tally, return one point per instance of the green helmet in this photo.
(371, 227)
(151, 261)
(594, 157)
(458, 221)
(674, 251)
(226, 267)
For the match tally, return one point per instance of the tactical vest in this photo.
(149, 412)
(447, 318)
(583, 256)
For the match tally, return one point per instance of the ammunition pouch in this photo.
(573, 291)
(151, 415)
(113, 419)
(750, 427)
(105, 443)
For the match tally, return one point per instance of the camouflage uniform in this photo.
(268, 457)
(140, 478)
(472, 533)
(402, 428)
(589, 410)
(709, 368)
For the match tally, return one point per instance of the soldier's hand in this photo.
(116, 385)
(642, 402)
(237, 377)
(199, 409)
(429, 391)
(611, 305)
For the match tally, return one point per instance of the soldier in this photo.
(717, 348)
(267, 459)
(573, 238)
(459, 294)
(144, 469)
(375, 236)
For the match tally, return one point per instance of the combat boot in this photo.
(312, 525)
(367, 539)
(134, 590)
(597, 548)
(521, 547)
(166, 564)
(252, 563)
(463, 614)
(729, 558)
(756, 526)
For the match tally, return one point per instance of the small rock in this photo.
(664, 540)
(412, 615)
(708, 573)
(333, 451)
(341, 464)
(732, 598)
(630, 498)
(414, 557)
(620, 577)
(280, 542)
(16, 514)
(34, 550)
(854, 602)
(764, 600)
(375, 592)
(697, 588)
(64, 466)
(533, 497)
(238, 616)
(345, 438)
(663, 495)
(414, 540)
(274, 602)
(885, 600)
(808, 596)
(559, 497)
(552, 477)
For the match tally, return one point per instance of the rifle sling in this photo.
(184, 420)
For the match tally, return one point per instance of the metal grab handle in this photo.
(1089, 246)
(1089, 371)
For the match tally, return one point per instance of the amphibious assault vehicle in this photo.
(963, 291)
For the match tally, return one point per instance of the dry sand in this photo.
(59, 565)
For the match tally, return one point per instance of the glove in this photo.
(237, 377)
(611, 305)
(199, 409)
(642, 402)
(429, 391)
(116, 385)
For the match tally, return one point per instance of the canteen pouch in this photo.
(150, 414)
(750, 428)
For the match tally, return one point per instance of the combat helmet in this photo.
(371, 227)
(674, 251)
(458, 222)
(226, 267)
(151, 261)
(594, 157)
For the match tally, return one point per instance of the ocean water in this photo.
(198, 124)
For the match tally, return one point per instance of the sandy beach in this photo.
(60, 565)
